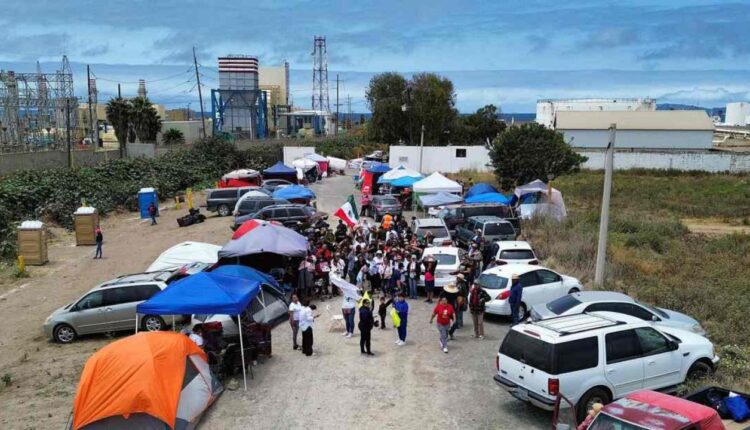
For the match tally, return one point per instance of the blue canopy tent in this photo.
(204, 293)
(489, 198)
(378, 168)
(406, 181)
(480, 188)
(294, 192)
(281, 171)
(439, 199)
(249, 273)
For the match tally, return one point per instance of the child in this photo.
(382, 310)
(403, 313)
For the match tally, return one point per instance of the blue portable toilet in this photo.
(145, 197)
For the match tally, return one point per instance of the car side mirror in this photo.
(655, 318)
(673, 346)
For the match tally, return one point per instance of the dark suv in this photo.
(492, 228)
(223, 200)
(456, 215)
(290, 215)
(381, 205)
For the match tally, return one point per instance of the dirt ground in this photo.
(409, 386)
(714, 227)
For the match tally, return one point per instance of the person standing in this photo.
(365, 203)
(477, 299)
(429, 276)
(516, 294)
(403, 313)
(383, 310)
(366, 324)
(99, 240)
(413, 272)
(445, 315)
(306, 324)
(450, 294)
(153, 211)
(348, 307)
(294, 313)
(463, 294)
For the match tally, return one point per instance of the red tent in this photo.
(321, 160)
(240, 178)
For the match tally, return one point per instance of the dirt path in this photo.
(410, 386)
(714, 227)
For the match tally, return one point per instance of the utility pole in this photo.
(349, 112)
(200, 94)
(337, 105)
(421, 148)
(67, 132)
(94, 141)
(601, 250)
(121, 145)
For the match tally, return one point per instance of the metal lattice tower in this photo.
(320, 75)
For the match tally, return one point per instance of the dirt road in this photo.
(410, 386)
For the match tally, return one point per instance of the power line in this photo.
(166, 78)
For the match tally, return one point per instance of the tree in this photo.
(173, 137)
(119, 111)
(531, 151)
(480, 127)
(432, 104)
(145, 121)
(385, 97)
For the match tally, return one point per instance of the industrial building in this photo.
(738, 114)
(307, 123)
(239, 106)
(665, 130)
(546, 109)
(274, 82)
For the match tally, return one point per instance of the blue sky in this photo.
(508, 53)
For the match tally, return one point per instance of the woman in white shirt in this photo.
(294, 313)
(306, 323)
(348, 308)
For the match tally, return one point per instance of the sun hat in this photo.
(450, 288)
(515, 276)
(460, 276)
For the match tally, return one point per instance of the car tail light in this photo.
(504, 295)
(534, 262)
(497, 363)
(553, 386)
(447, 243)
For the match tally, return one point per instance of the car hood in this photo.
(570, 280)
(688, 338)
(61, 310)
(679, 320)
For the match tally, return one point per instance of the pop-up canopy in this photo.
(248, 273)
(258, 237)
(321, 160)
(436, 183)
(439, 199)
(240, 178)
(281, 171)
(398, 172)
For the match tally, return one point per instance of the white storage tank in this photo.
(738, 114)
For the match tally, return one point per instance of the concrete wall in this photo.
(707, 161)
(190, 129)
(649, 139)
(444, 159)
(10, 163)
(292, 153)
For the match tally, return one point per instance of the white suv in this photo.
(597, 357)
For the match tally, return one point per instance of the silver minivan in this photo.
(108, 307)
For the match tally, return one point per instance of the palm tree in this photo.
(173, 137)
(119, 113)
(145, 121)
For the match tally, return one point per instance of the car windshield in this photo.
(492, 282)
(437, 231)
(444, 259)
(498, 228)
(516, 254)
(563, 304)
(655, 310)
(389, 202)
(608, 422)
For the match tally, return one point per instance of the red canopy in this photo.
(654, 410)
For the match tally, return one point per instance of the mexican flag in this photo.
(348, 212)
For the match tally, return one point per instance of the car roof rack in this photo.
(578, 323)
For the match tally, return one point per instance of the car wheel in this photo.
(223, 210)
(594, 395)
(153, 323)
(699, 370)
(64, 334)
(573, 290)
(522, 312)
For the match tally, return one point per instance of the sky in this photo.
(509, 53)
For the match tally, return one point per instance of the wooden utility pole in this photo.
(91, 107)
(200, 94)
(601, 250)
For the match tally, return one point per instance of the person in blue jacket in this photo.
(403, 312)
(516, 294)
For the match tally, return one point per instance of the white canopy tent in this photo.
(436, 183)
(537, 199)
(336, 163)
(399, 172)
(185, 253)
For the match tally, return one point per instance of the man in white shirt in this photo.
(295, 308)
(306, 323)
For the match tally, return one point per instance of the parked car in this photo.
(540, 285)
(448, 258)
(289, 214)
(436, 226)
(455, 215)
(381, 205)
(109, 307)
(596, 358)
(492, 228)
(271, 185)
(593, 301)
(269, 307)
(223, 200)
(248, 207)
(513, 252)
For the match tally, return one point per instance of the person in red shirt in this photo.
(445, 316)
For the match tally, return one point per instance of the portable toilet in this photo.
(85, 220)
(145, 197)
(32, 242)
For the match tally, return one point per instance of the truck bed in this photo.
(701, 396)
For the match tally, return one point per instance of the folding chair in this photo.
(337, 321)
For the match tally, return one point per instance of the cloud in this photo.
(96, 50)
(537, 43)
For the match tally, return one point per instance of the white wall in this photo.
(651, 139)
(679, 160)
(292, 153)
(440, 158)
(546, 109)
(192, 130)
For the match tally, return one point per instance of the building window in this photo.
(460, 152)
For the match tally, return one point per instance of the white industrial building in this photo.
(738, 114)
(665, 130)
(546, 109)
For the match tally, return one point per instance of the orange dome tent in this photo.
(152, 380)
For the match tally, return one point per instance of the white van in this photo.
(596, 358)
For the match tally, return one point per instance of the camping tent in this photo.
(398, 172)
(309, 169)
(493, 197)
(439, 199)
(281, 171)
(371, 175)
(204, 293)
(258, 237)
(153, 380)
(336, 163)
(185, 253)
(321, 160)
(480, 188)
(436, 183)
(294, 192)
(536, 198)
(240, 178)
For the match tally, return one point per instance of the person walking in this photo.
(403, 313)
(450, 294)
(295, 307)
(413, 270)
(306, 324)
(153, 211)
(348, 307)
(477, 299)
(366, 324)
(99, 240)
(516, 294)
(445, 315)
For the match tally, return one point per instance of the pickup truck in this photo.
(493, 228)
